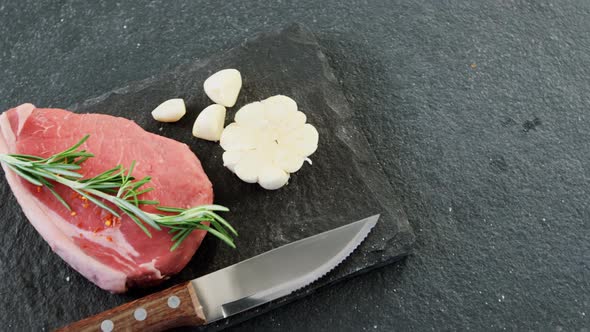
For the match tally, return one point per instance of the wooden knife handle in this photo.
(173, 307)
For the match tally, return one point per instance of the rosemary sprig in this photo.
(117, 191)
(185, 221)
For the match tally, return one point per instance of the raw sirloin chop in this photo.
(121, 255)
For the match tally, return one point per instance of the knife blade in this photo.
(236, 288)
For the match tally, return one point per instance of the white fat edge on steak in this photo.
(151, 266)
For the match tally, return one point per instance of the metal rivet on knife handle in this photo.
(173, 307)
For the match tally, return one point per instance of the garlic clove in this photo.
(171, 110)
(304, 140)
(294, 120)
(224, 86)
(287, 159)
(209, 123)
(281, 102)
(248, 168)
(231, 159)
(272, 177)
(235, 137)
(251, 115)
(281, 111)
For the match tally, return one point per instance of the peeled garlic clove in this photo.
(224, 86)
(235, 137)
(282, 111)
(247, 169)
(231, 159)
(170, 111)
(209, 123)
(281, 103)
(272, 177)
(304, 140)
(251, 115)
(286, 159)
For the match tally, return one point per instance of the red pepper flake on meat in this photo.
(110, 239)
(38, 189)
(84, 200)
(73, 213)
(108, 221)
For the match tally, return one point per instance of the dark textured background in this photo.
(477, 112)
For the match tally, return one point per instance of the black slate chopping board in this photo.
(344, 184)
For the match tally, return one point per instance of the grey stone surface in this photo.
(344, 184)
(447, 93)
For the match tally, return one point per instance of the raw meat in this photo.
(113, 254)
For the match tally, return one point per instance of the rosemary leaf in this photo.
(217, 234)
(169, 209)
(59, 198)
(25, 175)
(61, 171)
(139, 223)
(148, 202)
(223, 221)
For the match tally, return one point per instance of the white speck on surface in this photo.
(61, 20)
(140, 314)
(374, 326)
(138, 44)
(544, 219)
(583, 314)
(68, 278)
(124, 27)
(107, 325)
(450, 209)
(173, 302)
(502, 297)
(161, 128)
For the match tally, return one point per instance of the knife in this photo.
(236, 288)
